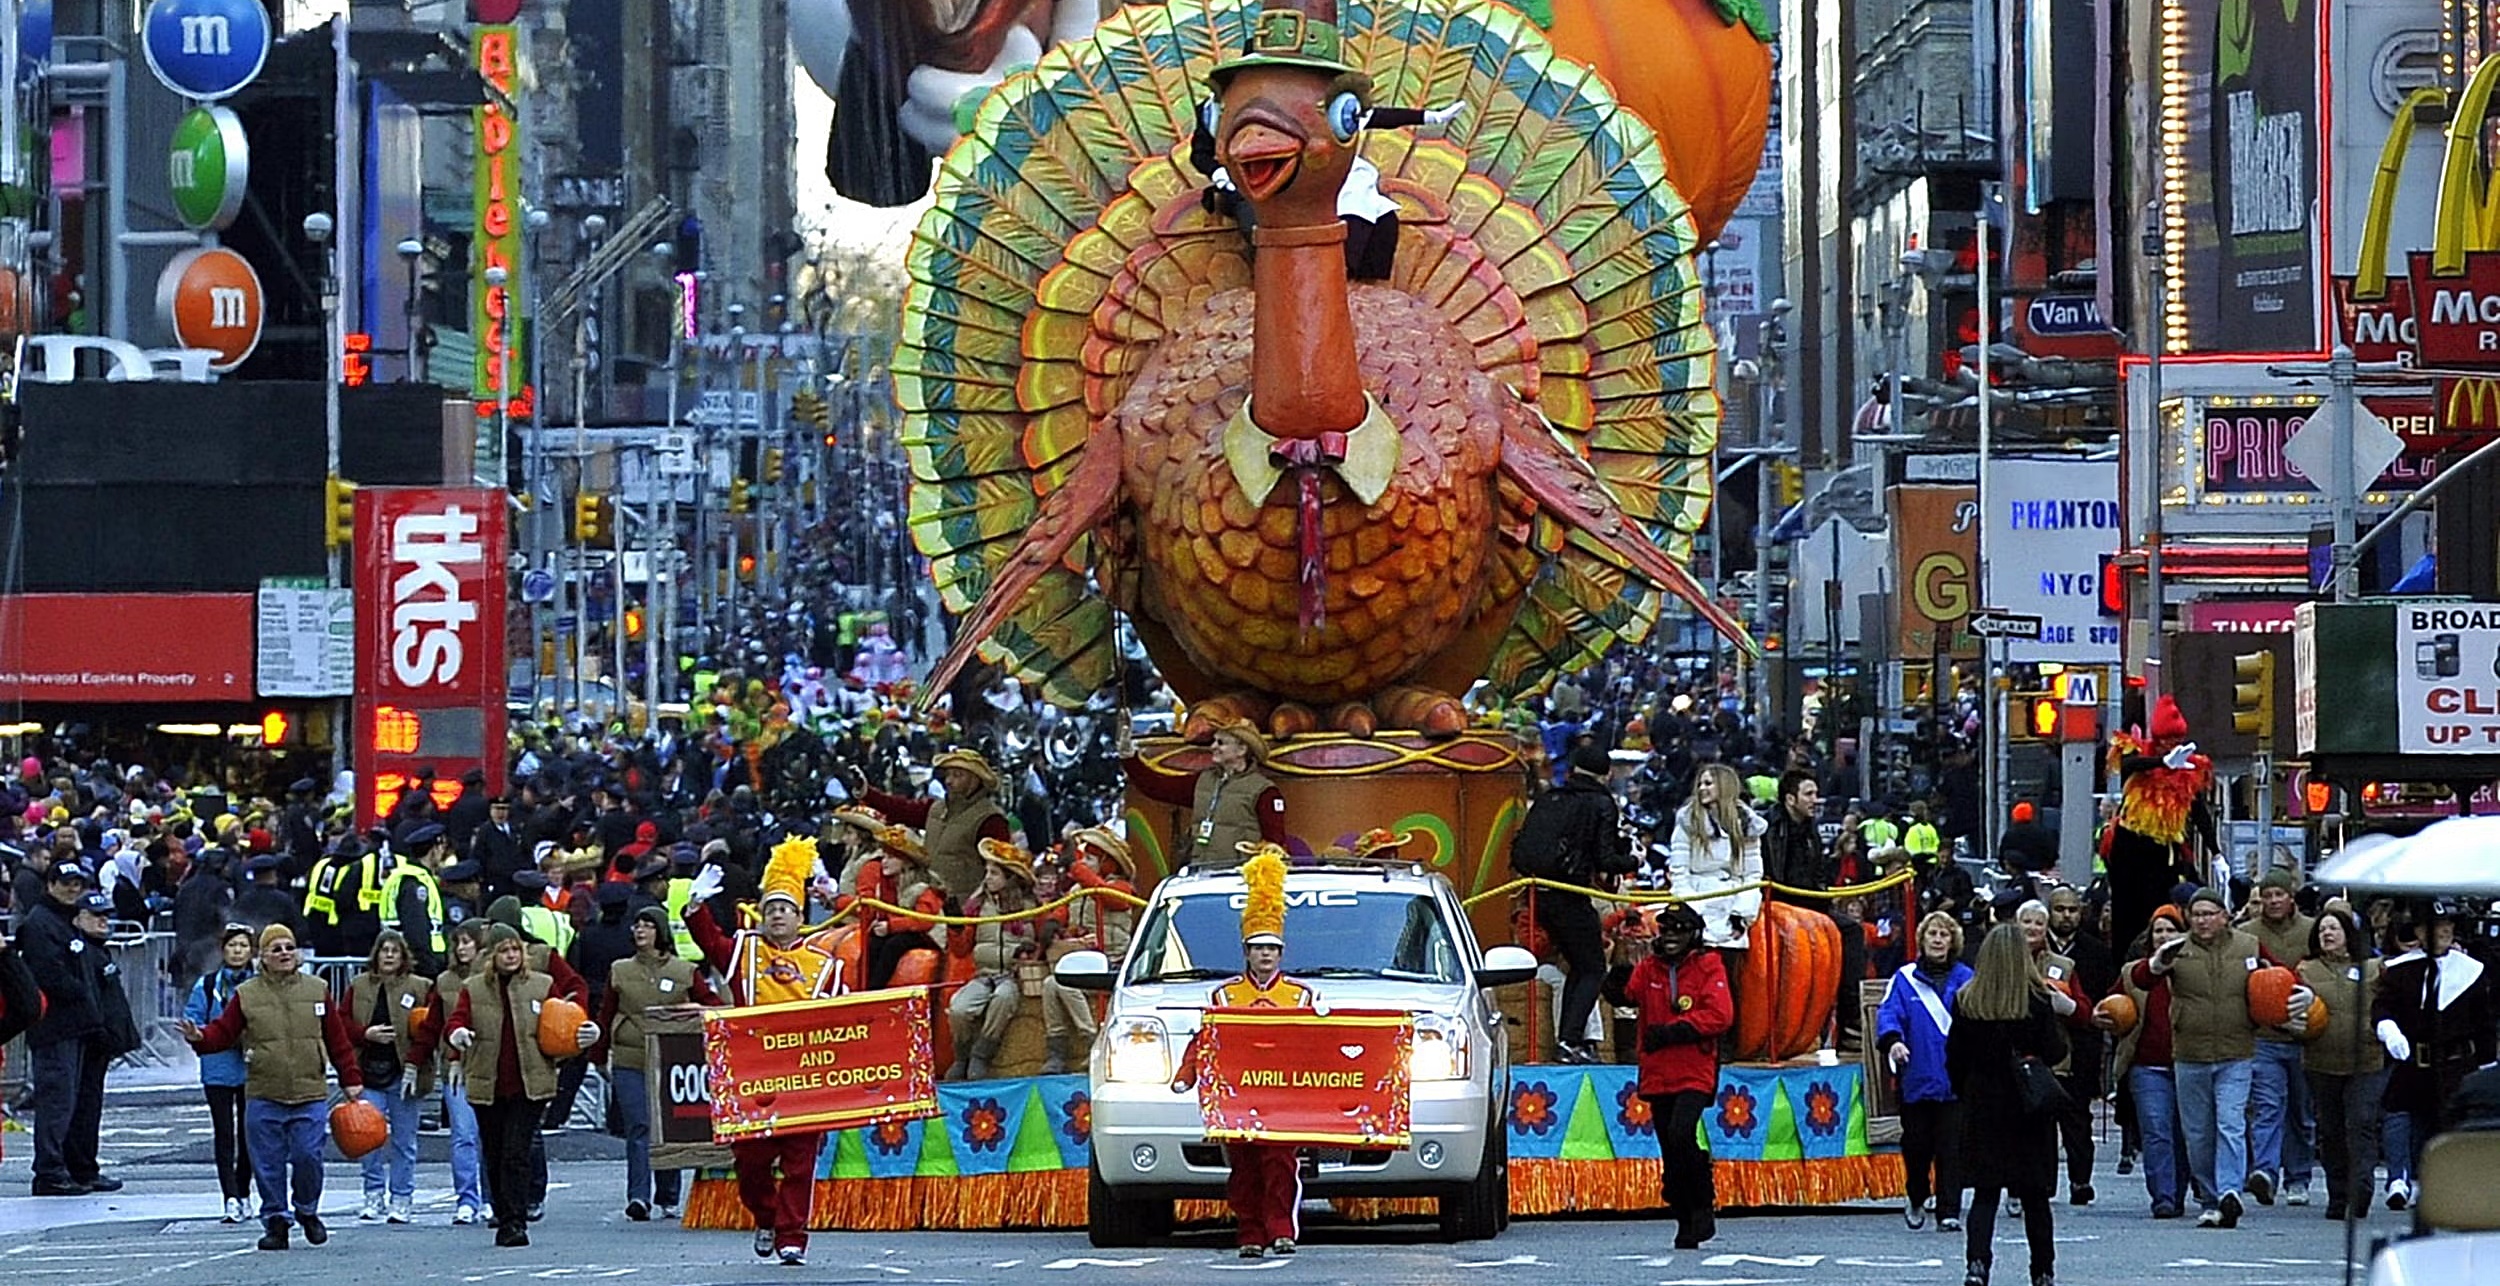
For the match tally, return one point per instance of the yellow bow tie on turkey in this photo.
(1366, 461)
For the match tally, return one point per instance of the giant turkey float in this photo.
(1329, 497)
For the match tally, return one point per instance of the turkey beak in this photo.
(1263, 159)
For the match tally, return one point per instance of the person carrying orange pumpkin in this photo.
(2143, 1063)
(772, 964)
(1682, 1005)
(499, 1032)
(286, 1025)
(1265, 1184)
(2164, 827)
(2213, 1037)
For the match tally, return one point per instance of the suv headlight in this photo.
(1138, 1051)
(1440, 1052)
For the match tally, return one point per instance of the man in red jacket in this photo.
(1684, 1006)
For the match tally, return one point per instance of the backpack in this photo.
(1549, 845)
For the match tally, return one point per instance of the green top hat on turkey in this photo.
(1290, 33)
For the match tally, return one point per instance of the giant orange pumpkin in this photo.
(560, 1028)
(1790, 981)
(358, 1126)
(1701, 80)
(2121, 1010)
(2270, 996)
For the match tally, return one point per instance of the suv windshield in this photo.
(1370, 934)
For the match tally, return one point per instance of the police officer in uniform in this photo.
(343, 900)
(414, 896)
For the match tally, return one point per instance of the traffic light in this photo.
(746, 567)
(275, 727)
(2252, 696)
(772, 464)
(807, 406)
(2040, 712)
(590, 519)
(741, 496)
(1791, 481)
(338, 512)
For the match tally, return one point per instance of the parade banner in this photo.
(815, 1065)
(1299, 1076)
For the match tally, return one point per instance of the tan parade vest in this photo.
(994, 946)
(638, 984)
(285, 1058)
(406, 992)
(1107, 922)
(486, 1002)
(1224, 815)
(954, 841)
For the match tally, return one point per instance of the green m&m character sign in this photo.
(209, 165)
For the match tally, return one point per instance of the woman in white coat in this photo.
(1717, 845)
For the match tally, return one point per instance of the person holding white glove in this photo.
(2438, 1019)
(2213, 1048)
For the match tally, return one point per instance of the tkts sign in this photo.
(429, 641)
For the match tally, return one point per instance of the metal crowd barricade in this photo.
(146, 969)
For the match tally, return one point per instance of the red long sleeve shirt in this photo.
(1180, 790)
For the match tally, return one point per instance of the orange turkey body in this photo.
(1404, 575)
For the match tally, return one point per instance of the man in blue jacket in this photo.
(1910, 1031)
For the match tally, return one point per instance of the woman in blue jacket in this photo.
(1910, 1033)
(221, 1075)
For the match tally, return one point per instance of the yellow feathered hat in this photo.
(787, 871)
(1263, 910)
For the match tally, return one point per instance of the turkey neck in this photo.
(1303, 377)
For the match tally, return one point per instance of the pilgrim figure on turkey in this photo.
(1322, 502)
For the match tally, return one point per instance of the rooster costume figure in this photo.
(771, 965)
(1265, 1188)
(2164, 825)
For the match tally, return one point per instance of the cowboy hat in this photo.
(970, 761)
(903, 840)
(1009, 858)
(1103, 840)
(1245, 732)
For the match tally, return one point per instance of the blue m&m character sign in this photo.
(206, 49)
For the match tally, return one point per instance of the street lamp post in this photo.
(410, 251)
(318, 228)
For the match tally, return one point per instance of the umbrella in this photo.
(2460, 855)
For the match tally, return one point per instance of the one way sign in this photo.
(2004, 625)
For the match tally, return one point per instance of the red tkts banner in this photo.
(1301, 1076)
(810, 1065)
(430, 664)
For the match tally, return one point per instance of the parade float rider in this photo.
(1232, 804)
(1265, 1186)
(772, 964)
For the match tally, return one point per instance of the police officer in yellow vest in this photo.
(682, 861)
(414, 895)
(343, 899)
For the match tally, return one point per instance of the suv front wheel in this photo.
(1477, 1209)
(1114, 1222)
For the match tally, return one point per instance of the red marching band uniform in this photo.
(1265, 1186)
(756, 972)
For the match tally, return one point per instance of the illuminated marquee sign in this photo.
(495, 312)
(2237, 455)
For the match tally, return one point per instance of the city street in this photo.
(163, 1227)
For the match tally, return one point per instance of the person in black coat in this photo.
(200, 913)
(2438, 1019)
(67, 1046)
(499, 848)
(262, 901)
(2001, 1017)
(468, 812)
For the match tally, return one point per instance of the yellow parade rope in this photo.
(1031, 913)
(1644, 896)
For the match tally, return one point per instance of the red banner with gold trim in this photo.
(809, 1065)
(1302, 1076)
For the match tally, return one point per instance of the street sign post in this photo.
(2004, 625)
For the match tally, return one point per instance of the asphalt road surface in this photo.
(163, 1227)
